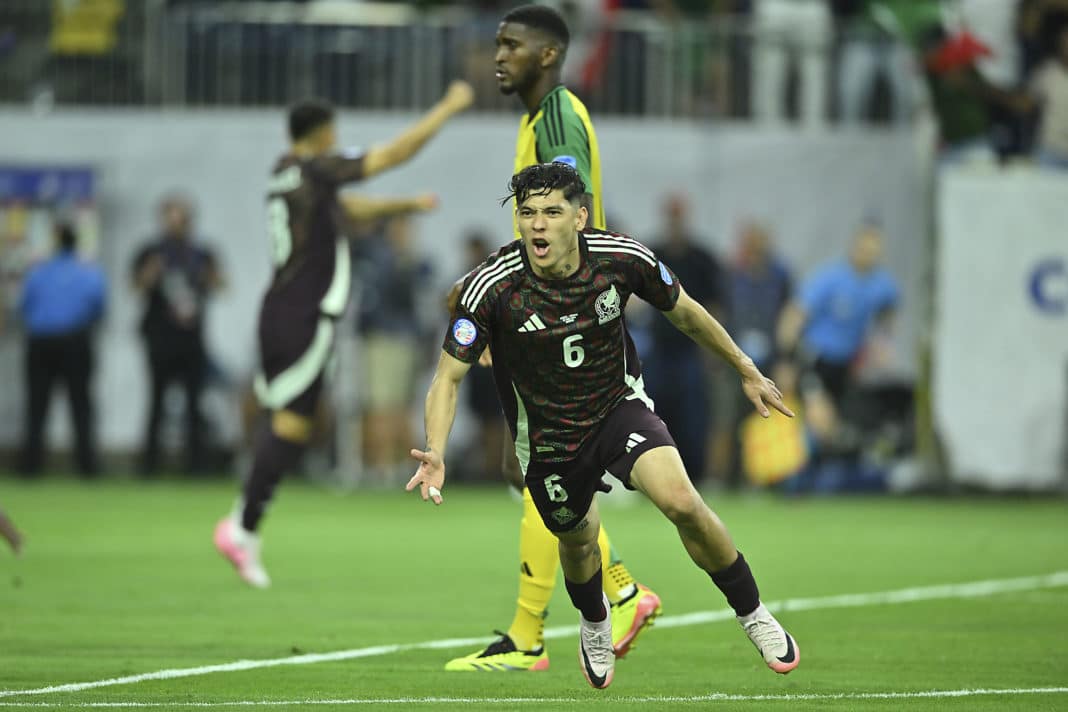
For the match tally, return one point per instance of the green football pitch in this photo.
(120, 601)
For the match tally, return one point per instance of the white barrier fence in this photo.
(1001, 330)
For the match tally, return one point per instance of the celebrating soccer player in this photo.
(531, 43)
(309, 292)
(550, 307)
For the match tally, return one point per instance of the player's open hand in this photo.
(430, 477)
(762, 392)
(460, 95)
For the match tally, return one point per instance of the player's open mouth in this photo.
(501, 75)
(540, 246)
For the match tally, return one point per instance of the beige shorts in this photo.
(388, 371)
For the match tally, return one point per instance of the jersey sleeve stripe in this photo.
(546, 123)
(485, 287)
(489, 275)
(558, 118)
(626, 250)
(621, 241)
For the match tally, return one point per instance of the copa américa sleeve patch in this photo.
(665, 274)
(464, 331)
(566, 160)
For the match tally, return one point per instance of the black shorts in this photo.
(294, 354)
(563, 491)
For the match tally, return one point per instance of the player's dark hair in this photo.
(307, 116)
(66, 237)
(541, 18)
(542, 179)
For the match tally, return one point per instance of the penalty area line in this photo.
(973, 589)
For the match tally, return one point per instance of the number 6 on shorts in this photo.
(555, 491)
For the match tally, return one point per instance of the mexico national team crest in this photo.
(464, 332)
(607, 305)
(563, 515)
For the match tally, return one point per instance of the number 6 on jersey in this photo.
(573, 353)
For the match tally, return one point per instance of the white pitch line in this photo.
(712, 697)
(906, 595)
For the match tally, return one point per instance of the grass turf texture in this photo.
(120, 578)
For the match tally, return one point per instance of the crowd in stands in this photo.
(995, 72)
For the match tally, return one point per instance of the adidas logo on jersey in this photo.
(634, 440)
(534, 323)
(569, 318)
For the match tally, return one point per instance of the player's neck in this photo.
(303, 149)
(533, 97)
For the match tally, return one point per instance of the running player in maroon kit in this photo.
(550, 307)
(308, 293)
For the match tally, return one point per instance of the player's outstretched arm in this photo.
(692, 319)
(440, 411)
(457, 98)
(362, 208)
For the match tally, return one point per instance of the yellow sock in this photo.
(539, 558)
(617, 581)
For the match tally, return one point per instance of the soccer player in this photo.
(531, 43)
(551, 309)
(309, 292)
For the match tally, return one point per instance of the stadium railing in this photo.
(362, 55)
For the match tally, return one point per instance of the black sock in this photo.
(273, 457)
(588, 597)
(738, 585)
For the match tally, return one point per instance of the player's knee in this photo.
(577, 548)
(683, 506)
(291, 426)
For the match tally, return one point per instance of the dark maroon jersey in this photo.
(310, 257)
(562, 356)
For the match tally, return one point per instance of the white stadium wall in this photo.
(1000, 382)
(811, 189)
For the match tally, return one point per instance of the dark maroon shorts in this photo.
(294, 355)
(563, 491)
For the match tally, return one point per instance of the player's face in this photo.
(518, 57)
(549, 225)
(327, 137)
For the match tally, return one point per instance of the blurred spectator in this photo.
(1050, 86)
(481, 391)
(993, 23)
(62, 299)
(392, 275)
(676, 374)
(962, 98)
(782, 27)
(881, 38)
(1038, 24)
(830, 322)
(760, 288)
(176, 275)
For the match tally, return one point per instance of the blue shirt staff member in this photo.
(62, 298)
